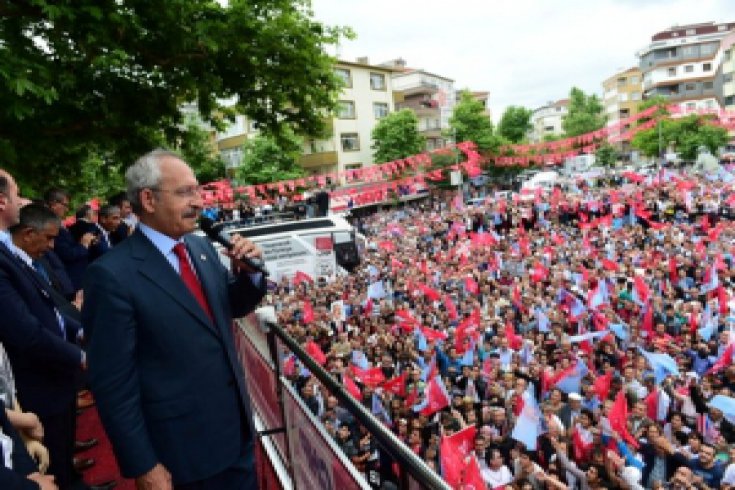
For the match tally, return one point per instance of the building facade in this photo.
(547, 120)
(684, 64)
(367, 97)
(430, 96)
(622, 94)
(728, 72)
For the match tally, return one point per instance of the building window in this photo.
(691, 32)
(549, 129)
(377, 81)
(344, 75)
(708, 49)
(722, 27)
(380, 110)
(635, 96)
(671, 71)
(353, 166)
(346, 109)
(621, 81)
(691, 106)
(707, 66)
(690, 51)
(689, 87)
(688, 68)
(633, 80)
(727, 78)
(350, 141)
(707, 85)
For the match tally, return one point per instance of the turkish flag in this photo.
(515, 341)
(308, 312)
(431, 294)
(618, 418)
(396, 385)
(300, 277)
(609, 265)
(601, 386)
(451, 308)
(352, 388)
(471, 285)
(436, 396)
(371, 377)
(313, 349)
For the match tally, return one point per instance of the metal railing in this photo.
(412, 466)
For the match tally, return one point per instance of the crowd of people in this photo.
(581, 338)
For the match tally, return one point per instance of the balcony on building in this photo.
(318, 155)
(422, 86)
(423, 107)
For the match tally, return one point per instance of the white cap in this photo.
(575, 396)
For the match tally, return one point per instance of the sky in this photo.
(524, 52)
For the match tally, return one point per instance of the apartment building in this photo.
(622, 94)
(432, 97)
(684, 64)
(728, 72)
(547, 120)
(367, 97)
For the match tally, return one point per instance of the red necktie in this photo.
(191, 280)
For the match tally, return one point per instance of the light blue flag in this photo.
(725, 404)
(619, 330)
(376, 290)
(468, 359)
(707, 331)
(359, 359)
(528, 423)
(372, 271)
(543, 320)
(662, 364)
(422, 343)
(572, 382)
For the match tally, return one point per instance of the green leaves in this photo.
(515, 123)
(267, 159)
(470, 122)
(686, 134)
(397, 136)
(585, 114)
(109, 77)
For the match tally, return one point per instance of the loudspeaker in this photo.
(346, 254)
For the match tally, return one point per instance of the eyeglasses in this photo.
(188, 192)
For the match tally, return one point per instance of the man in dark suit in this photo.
(39, 341)
(163, 369)
(73, 253)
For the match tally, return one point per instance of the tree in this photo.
(656, 100)
(687, 134)
(397, 136)
(198, 149)
(470, 122)
(606, 156)
(585, 114)
(515, 123)
(110, 77)
(267, 159)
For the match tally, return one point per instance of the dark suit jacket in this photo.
(167, 381)
(120, 234)
(57, 274)
(99, 247)
(46, 365)
(23, 465)
(74, 256)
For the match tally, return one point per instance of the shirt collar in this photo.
(164, 243)
(22, 255)
(6, 239)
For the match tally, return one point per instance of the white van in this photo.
(319, 247)
(544, 180)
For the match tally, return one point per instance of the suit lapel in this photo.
(30, 273)
(158, 270)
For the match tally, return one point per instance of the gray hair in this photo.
(35, 217)
(145, 173)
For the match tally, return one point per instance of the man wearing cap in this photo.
(571, 410)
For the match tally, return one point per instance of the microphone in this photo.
(207, 226)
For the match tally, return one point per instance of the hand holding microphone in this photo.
(244, 253)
